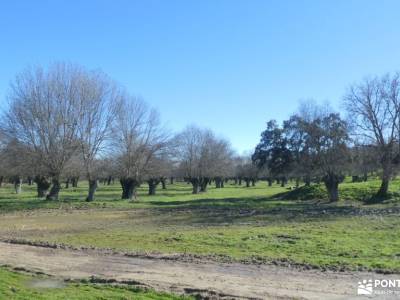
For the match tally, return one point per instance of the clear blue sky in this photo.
(227, 65)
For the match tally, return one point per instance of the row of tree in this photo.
(65, 122)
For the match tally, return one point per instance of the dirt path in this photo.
(208, 278)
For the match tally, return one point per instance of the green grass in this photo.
(21, 286)
(365, 242)
(109, 197)
(253, 224)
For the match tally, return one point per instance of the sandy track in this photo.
(222, 280)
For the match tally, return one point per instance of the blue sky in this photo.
(227, 65)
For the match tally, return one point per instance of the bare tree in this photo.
(43, 116)
(249, 171)
(363, 161)
(157, 172)
(137, 138)
(202, 156)
(373, 106)
(98, 96)
(16, 163)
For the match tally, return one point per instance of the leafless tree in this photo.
(374, 106)
(137, 138)
(157, 172)
(202, 156)
(98, 97)
(42, 115)
(363, 161)
(246, 170)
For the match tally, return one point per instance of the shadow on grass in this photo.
(264, 210)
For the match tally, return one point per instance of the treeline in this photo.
(66, 123)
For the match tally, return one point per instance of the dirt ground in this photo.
(206, 278)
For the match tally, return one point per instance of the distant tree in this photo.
(15, 161)
(363, 161)
(249, 172)
(273, 152)
(157, 171)
(374, 110)
(201, 156)
(74, 170)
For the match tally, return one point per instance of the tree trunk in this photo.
(247, 182)
(223, 183)
(218, 182)
(18, 185)
(163, 183)
(74, 181)
(283, 181)
(235, 181)
(333, 191)
(129, 186)
(365, 176)
(109, 179)
(92, 190)
(67, 183)
(307, 180)
(42, 186)
(1, 180)
(332, 186)
(240, 180)
(253, 182)
(152, 186)
(386, 174)
(203, 184)
(383, 190)
(269, 181)
(29, 180)
(297, 182)
(195, 184)
(171, 180)
(55, 189)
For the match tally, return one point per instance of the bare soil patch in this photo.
(205, 278)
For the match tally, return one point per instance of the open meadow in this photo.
(254, 225)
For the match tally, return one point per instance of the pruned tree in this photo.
(202, 156)
(98, 98)
(42, 115)
(157, 172)
(137, 138)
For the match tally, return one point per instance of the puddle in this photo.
(46, 283)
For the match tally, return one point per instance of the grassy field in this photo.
(24, 286)
(256, 224)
